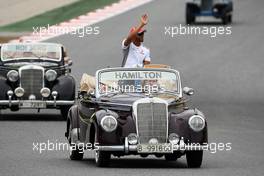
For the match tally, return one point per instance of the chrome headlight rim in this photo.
(51, 75)
(108, 129)
(45, 92)
(194, 128)
(21, 93)
(12, 75)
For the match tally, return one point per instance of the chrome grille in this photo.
(31, 81)
(152, 122)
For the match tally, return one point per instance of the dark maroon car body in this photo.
(84, 124)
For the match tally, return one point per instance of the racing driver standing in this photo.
(135, 54)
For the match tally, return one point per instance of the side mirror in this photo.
(188, 91)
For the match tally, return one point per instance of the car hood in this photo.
(121, 99)
(127, 99)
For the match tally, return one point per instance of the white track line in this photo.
(85, 20)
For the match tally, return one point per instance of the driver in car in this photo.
(134, 53)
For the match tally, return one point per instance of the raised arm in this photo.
(132, 35)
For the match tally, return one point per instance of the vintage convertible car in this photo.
(35, 76)
(140, 111)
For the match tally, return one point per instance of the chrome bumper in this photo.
(133, 148)
(126, 148)
(54, 103)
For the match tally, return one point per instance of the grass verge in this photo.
(57, 15)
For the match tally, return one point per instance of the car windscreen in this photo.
(138, 81)
(43, 51)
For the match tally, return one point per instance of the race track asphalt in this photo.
(226, 73)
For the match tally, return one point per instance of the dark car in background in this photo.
(36, 76)
(222, 9)
(137, 111)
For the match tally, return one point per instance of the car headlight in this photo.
(132, 138)
(45, 92)
(12, 75)
(51, 75)
(109, 123)
(196, 123)
(19, 91)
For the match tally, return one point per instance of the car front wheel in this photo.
(229, 18)
(171, 157)
(194, 158)
(226, 19)
(190, 18)
(75, 152)
(64, 112)
(102, 158)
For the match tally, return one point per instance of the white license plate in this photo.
(155, 148)
(33, 104)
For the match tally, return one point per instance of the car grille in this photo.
(152, 122)
(32, 82)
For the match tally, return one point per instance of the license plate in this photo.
(155, 148)
(32, 104)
